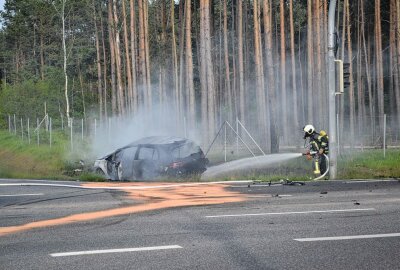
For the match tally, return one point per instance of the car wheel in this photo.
(100, 172)
(119, 172)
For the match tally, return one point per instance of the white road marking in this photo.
(125, 187)
(21, 195)
(105, 251)
(294, 213)
(366, 236)
(269, 196)
(370, 181)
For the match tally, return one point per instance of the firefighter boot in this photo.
(317, 171)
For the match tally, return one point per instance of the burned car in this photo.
(152, 157)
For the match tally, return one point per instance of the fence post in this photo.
(15, 126)
(9, 123)
(38, 131)
(237, 136)
(225, 142)
(22, 130)
(50, 130)
(109, 129)
(338, 134)
(384, 136)
(62, 122)
(72, 143)
(95, 128)
(29, 133)
(82, 129)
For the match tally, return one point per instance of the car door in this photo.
(146, 162)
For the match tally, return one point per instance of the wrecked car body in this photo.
(152, 157)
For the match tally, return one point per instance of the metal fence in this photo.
(362, 133)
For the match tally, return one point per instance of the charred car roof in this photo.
(153, 140)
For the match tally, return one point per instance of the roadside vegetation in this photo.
(18, 159)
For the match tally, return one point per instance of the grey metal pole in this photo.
(38, 130)
(95, 128)
(338, 134)
(225, 143)
(72, 143)
(332, 90)
(384, 136)
(82, 129)
(50, 127)
(22, 130)
(29, 133)
(15, 126)
(9, 123)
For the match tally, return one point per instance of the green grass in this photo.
(18, 159)
(369, 164)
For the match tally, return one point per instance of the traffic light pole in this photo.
(332, 92)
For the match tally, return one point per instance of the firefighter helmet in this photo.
(309, 129)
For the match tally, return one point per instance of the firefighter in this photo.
(319, 145)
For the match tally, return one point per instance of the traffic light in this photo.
(342, 75)
(346, 75)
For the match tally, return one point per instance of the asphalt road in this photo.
(321, 225)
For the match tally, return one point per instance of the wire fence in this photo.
(233, 139)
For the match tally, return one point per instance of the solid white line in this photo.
(125, 187)
(366, 236)
(293, 213)
(120, 250)
(21, 195)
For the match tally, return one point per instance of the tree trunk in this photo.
(104, 65)
(272, 106)
(294, 72)
(379, 63)
(64, 48)
(351, 81)
(129, 92)
(310, 64)
(210, 70)
(111, 40)
(147, 55)
(284, 107)
(41, 56)
(318, 74)
(133, 56)
(175, 62)
(397, 69)
(181, 57)
(189, 67)
(260, 90)
(203, 75)
(142, 57)
(228, 95)
(241, 61)
(118, 67)
(98, 62)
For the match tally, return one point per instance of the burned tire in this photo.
(100, 172)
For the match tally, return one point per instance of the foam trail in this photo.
(248, 163)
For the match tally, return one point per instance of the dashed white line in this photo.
(351, 237)
(120, 250)
(294, 213)
(21, 195)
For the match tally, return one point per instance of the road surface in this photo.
(321, 225)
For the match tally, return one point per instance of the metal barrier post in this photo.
(384, 136)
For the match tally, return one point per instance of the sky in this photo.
(2, 4)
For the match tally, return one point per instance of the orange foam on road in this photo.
(150, 199)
